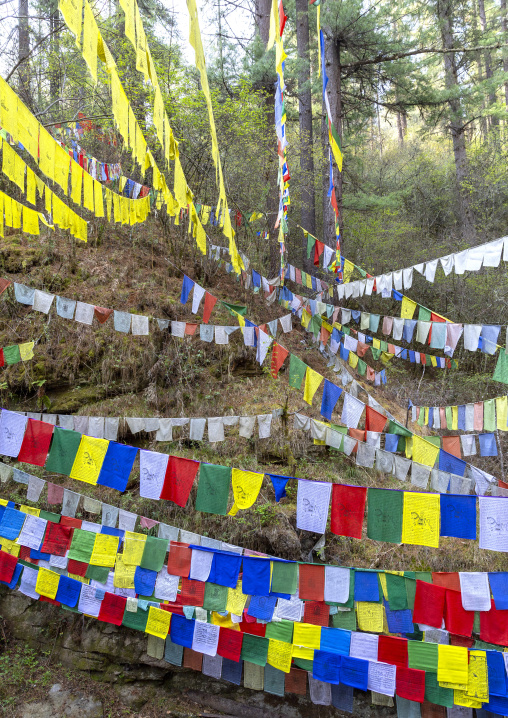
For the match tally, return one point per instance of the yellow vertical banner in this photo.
(90, 40)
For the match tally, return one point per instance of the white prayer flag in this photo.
(205, 638)
(352, 411)
(32, 532)
(199, 293)
(493, 523)
(201, 563)
(166, 585)
(475, 591)
(12, 432)
(313, 501)
(364, 645)
(382, 678)
(152, 469)
(84, 313)
(337, 584)
(42, 301)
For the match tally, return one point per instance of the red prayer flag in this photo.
(296, 682)
(431, 710)
(7, 566)
(179, 559)
(180, 475)
(36, 441)
(4, 283)
(392, 650)
(451, 444)
(348, 509)
(494, 626)
(374, 420)
(193, 592)
(192, 659)
(78, 568)
(70, 521)
(112, 609)
(457, 620)
(102, 314)
(312, 582)
(2, 358)
(210, 302)
(255, 629)
(230, 644)
(429, 604)
(436, 318)
(279, 355)
(318, 251)
(324, 335)
(190, 329)
(55, 493)
(317, 613)
(462, 641)
(298, 276)
(282, 18)
(446, 579)
(410, 684)
(57, 539)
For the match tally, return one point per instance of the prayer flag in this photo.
(348, 509)
(35, 446)
(180, 475)
(384, 515)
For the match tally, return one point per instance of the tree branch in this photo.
(421, 51)
(33, 49)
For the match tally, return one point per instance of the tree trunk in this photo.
(504, 26)
(54, 60)
(400, 129)
(456, 121)
(488, 60)
(478, 55)
(262, 9)
(308, 197)
(333, 70)
(23, 52)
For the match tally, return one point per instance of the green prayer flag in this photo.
(275, 681)
(483, 646)
(216, 597)
(284, 577)
(68, 608)
(501, 370)
(12, 354)
(489, 415)
(395, 428)
(424, 314)
(436, 440)
(384, 518)
(315, 325)
(235, 309)
(376, 353)
(449, 417)
(341, 430)
(410, 592)
(476, 623)
(345, 620)
(213, 489)
(304, 664)
(383, 346)
(98, 573)
(64, 447)
(361, 367)
(421, 416)
(137, 620)
(428, 360)
(422, 655)
(346, 330)
(280, 631)
(435, 694)
(154, 553)
(424, 576)
(50, 516)
(254, 649)
(311, 241)
(297, 369)
(401, 446)
(396, 587)
(81, 545)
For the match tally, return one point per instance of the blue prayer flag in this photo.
(391, 442)
(326, 667)
(11, 523)
(262, 607)
(331, 394)
(354, 672)
(68, 591)
(488, 446)
(182, 630)
(256, 576)
(399, 621)
(117, 466)
(225, 569)
(458, 516)
(499, 587)
(232, 671)
(186, 289)
(279, 485)
(452, 464)
(462, 417)
(497, 673)
(335, 640)
(366, 586)
(144, 581)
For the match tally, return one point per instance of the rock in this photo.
(135, 695)
(63, 704)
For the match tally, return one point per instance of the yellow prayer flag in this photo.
(478, 684)
(28, 130)
(408, 449)
(88, 192)
(30, 221)
(352, 360)
(132, 212)
(104, 54)
(433, 360)
(347, 271)
(236, 600)
(117, 211)
(305, 653)
(71, 11)
(8, 108)
(141, 61)
(312, 382)
(90, 40)
(62, 164)
(461, 698)
(376, 343)
(158, 115)
(40, 185)
(76, 182)
(502, 412)
(158, 622)
(98, 199)
(1, 214)
(370, 616)
(30, 186)
(81, 579)
(104, 551)
(47, 583)
(407, 309)
(426, 415)
(205, 214)
(45, 221)
(280, 655)
(306, 317)
(455, 418)
(308, 281)
(130, 30)
(29, 510)
(10, 547)
(26, 351)
(124, 204)
(46, 153)
(88, 461)
(307, 635)
(134, 545)
(246, 486)
(382, 580)
(452, 666)
(274, 25)
(48, 200)
(124, 574)
(109, 203)
(421, 519)
(16, 209)
(7, 208)
(424, 452)
(60, 213)
(224, 621)
(79, 227)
